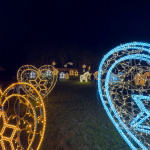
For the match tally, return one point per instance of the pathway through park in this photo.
(76, 122)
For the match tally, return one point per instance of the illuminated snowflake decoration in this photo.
(124, 89)
(22, 119)
(43, 79)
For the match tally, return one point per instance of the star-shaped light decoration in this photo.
(39, 84)
(44, 78)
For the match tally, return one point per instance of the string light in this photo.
(76, 73)
(95, 75)
(124, 91)
(66, 76)
(84, 77)
(71, 72)
(44, 78)
(33, 121)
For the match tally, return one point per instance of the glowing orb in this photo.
(43, 79)
(124, 89)
(22, 119)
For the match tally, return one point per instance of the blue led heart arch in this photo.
(124, 89)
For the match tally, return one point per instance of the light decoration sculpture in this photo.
(43, 79)
(55, 72)
(23, 119)
(62, 75)
(76, 73)
(53, 63)
(89, 77)
(140, 79)
(95, 75)
(71, 72)
(127, 103)
(67, 76)
(68, 63)
(84, 66)
(84, 77)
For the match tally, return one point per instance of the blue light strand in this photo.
(135, 56)
(132, 45)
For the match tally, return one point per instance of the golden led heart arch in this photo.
(22, 118)
(43, 79)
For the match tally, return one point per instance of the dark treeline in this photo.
(37, 48)
(40, 50)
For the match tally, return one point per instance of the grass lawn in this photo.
(75, 122)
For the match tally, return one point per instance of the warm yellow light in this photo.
(140, 79)
(13, 119)
(53, 63)
(96, 75)
(66, 76)
(71, 72)
(43, 79)
(76, 73)
(89, 77)
(84, 66)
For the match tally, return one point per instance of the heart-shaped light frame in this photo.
(43, 79)
(127, 102)
(24, 116)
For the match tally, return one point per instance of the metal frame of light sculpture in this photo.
(25, 116)
(43, 82)
(126, 103)
(85, 76)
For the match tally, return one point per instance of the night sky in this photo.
(94, 25)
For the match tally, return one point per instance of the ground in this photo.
(76, 121)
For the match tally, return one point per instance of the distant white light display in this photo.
(84, 77)
(62, 75)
